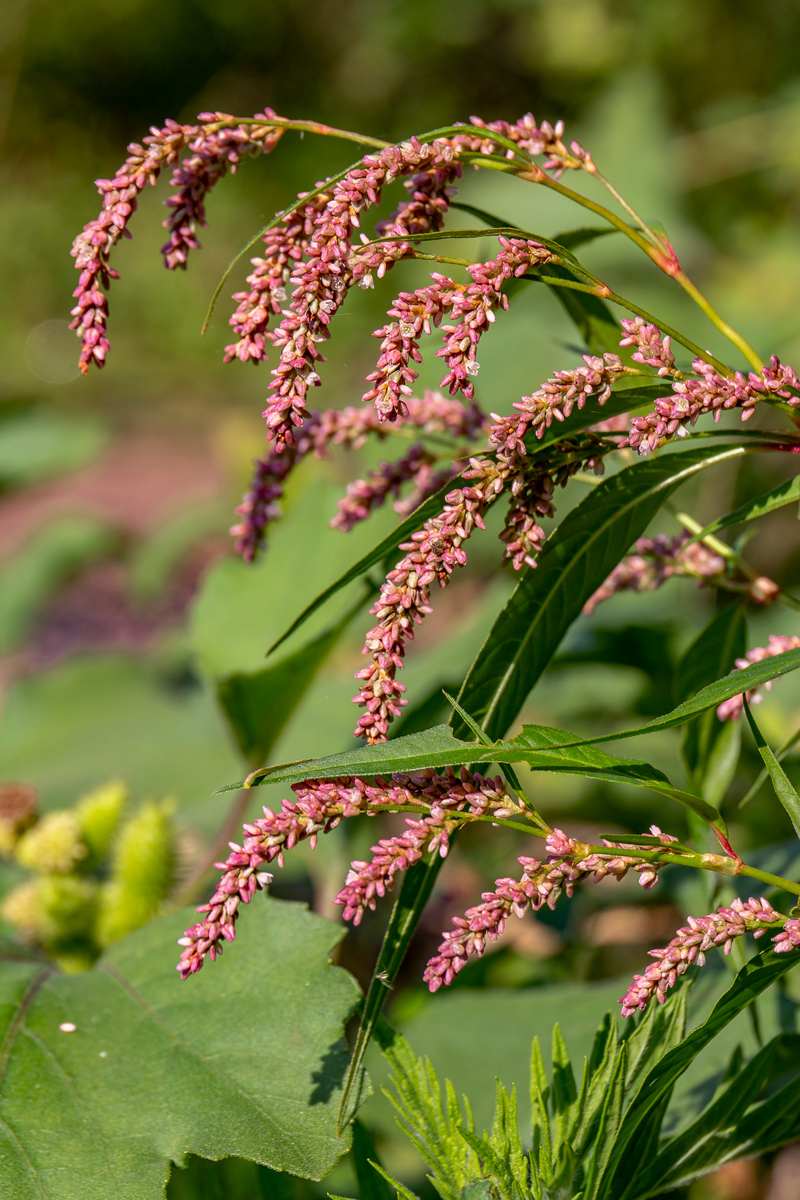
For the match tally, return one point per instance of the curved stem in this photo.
(305, 127)
(662, 255)
(605, 293)
(730, 333)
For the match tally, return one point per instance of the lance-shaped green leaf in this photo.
(754, 977)
(724, 1130)
(711, 747)
(111, 1075)
(577, 558)
(785, 493)
(780, 780)
(538, 747)
(735, 684)
(622, 400)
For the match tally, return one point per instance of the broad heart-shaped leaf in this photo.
(576, 559)
(111, 1075)
(621, 400)
(754, 977)
(785, 493)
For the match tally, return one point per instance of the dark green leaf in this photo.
(767, 502)
(438, 747)
(372, 1185)
(711, 656)
(577, 558)
(415, 890)
(780, 780)
(259, 704)
(756, 975)
(709, 697)
(112, 1074)
(610, 1121)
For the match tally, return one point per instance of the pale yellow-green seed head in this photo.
(55, 844)
(121, 911)
(143, 858)
(99, 815)
(52, 909)
(21, 909)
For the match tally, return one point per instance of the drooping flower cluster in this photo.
(700, 934)
(435, 550)
(285, 244)
(568, 863)
(432, 413)
(320, 806)
(217, 144)
(651, 349)
(777, 644)
(364, 495)
(711, 393)
(471, 305)
(332, 266)
(660, 558)
(555, 400)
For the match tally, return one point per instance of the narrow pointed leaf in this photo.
(438, 747)
(711, 656)
(780, 780)
(415, 891)
(708, 697)
(754, 977)
(785, 493)
(610, 1121)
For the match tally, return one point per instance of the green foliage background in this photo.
(692, 108)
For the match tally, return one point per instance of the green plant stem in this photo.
(707, 862)
(728, 553)
(623, 203)
(305, 127)
(663, 257)
(722, 325)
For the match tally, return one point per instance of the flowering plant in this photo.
(630, 413)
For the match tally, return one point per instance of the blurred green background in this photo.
(120, 602)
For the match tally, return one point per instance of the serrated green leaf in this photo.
(564, 1093)
(610, 1120)
(490, 1160)
(577, 558)
(780, 780)
(126, 1062)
